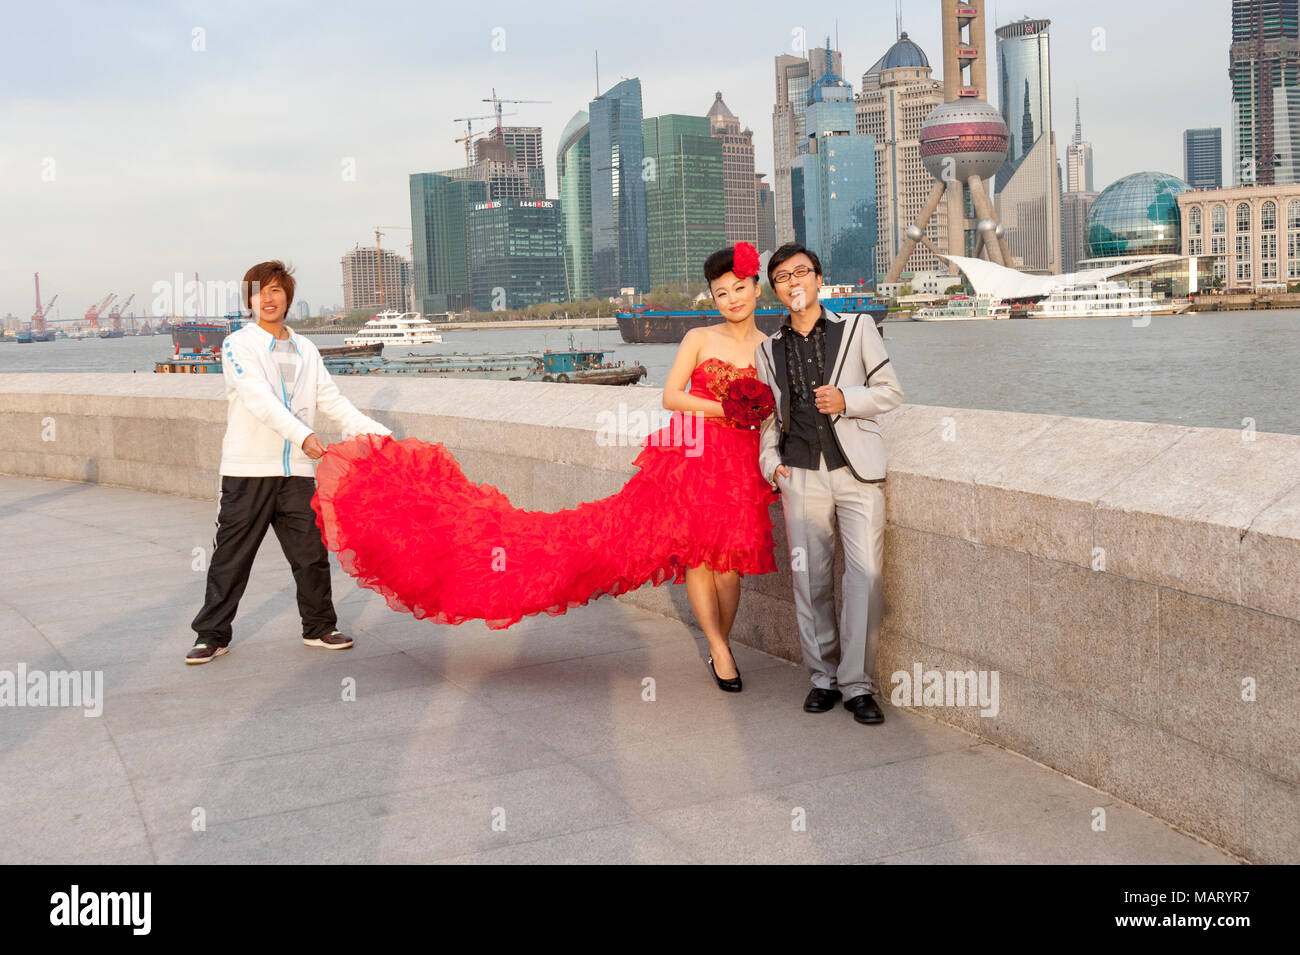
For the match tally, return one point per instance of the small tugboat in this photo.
(197, 346)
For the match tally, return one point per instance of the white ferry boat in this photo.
(961, 308)
(1101, 300)
(392, 327)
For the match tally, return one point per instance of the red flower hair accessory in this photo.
(744, 260)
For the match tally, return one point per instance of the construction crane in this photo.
(92, 313)
(469, 131)
(496, 105)
(39, 316)
(116, 313)
(379, 257)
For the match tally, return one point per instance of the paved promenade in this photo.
(534, 744)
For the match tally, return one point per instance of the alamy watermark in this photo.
(23, 687)
(75, 907)
(626, 427)
(924, 687)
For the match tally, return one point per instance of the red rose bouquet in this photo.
(748, 402)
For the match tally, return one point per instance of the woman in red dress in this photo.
(407, 523)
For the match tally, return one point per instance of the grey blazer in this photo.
(861, 370)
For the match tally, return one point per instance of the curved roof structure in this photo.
(989, 278)
(580, 123)
(903, 54)
(1136, 215)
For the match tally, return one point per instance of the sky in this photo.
(140, 140)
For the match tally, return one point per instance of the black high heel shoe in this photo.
(730, 686)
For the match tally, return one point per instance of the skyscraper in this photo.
(573, 169)
(522, 149)
(684, 197)
(898, 93)
(516, 253)
(1078, 198)
(439, 219)
(361, 279)
(737, 172)
(795, 76)
(838, 188)
(1078, 158)
(1029, 183)
(1203, 157)
(1264, 67)
(766, 215)
(1074, 228)
(620, 257)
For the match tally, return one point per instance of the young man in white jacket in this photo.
(275, 381)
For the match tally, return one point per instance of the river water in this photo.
(1211, 369)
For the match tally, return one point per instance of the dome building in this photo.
(1136, 216)
(898, 93)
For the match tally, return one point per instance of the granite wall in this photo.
(1135, 587)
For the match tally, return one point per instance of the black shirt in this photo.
(810, 436)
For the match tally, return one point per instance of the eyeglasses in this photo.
(782, 277)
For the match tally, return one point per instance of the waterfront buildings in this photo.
(1251, 234)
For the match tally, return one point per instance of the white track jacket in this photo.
(268, 419)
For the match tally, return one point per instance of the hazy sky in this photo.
(127, 155)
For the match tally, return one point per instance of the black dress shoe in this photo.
(730, 686)
(820, 700)
(864, 709)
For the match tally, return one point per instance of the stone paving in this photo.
(533, 744)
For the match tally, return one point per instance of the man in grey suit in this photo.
(823, 451)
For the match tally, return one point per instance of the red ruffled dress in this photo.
(407, 523)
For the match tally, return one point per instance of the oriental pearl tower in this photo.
(963, 141)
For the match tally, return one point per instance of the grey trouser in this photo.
(814, 501)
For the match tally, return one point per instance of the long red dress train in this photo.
(407, 523)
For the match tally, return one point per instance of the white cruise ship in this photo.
(1100, 300)
(397, 328)
(962, 308)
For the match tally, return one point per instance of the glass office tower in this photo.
(1028, 186)
(685, 198)
(620, 258)
(573, 164)
(516, 253)
(838, 189)
(1203, 158)
(439, 212)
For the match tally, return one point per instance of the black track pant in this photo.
(248, 506)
